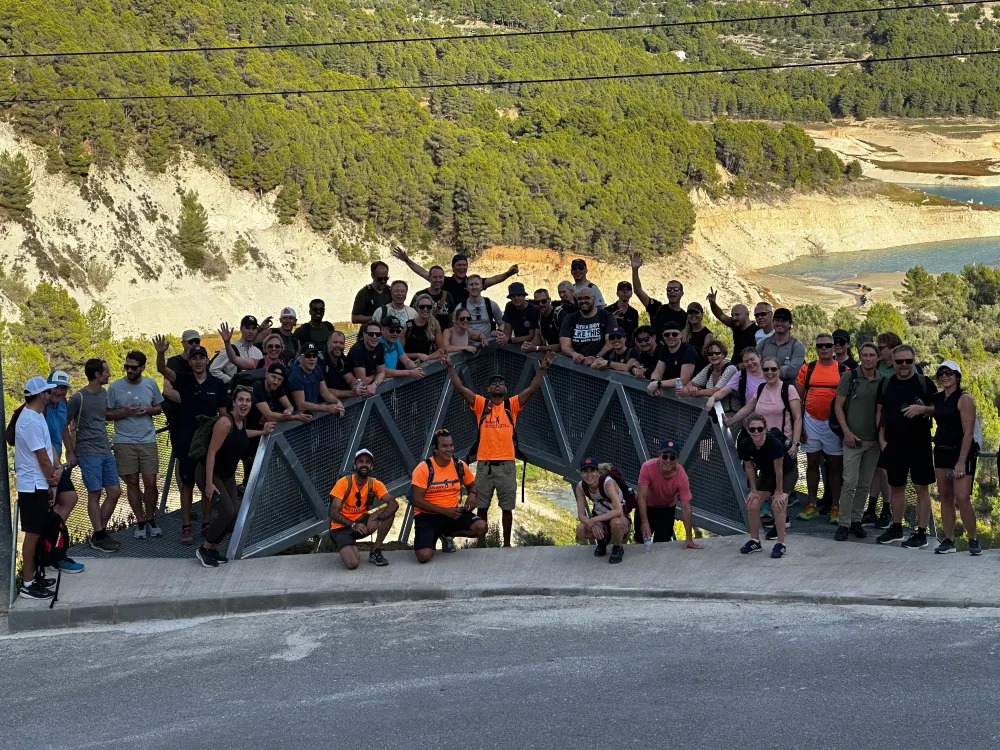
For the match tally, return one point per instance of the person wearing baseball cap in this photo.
(360, 506)
(626, 316)
(783, 346)
(578, 270)
(455, 285)
(620, 357)
(520, 319)
(663, 484)
(285, 331)
(226, 367)
(37, 473)
(307, 385)
(55, 417)
(677, 362)
(605, 520)
(842, 349)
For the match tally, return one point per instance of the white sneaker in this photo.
(154, 530)
(140, 531)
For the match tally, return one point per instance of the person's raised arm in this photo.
(265, 329)
(242, 363)
(636, 283)
(400, 254)
(716, 397)
(161, 344)
(457, 384)
(500, 277)
(536, 381)
(717, 311)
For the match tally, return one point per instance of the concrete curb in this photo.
(31, 618)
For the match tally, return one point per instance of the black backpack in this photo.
(9, 433)
(459, 470)
(600, 490)
(51, 550)
(248, 378)
(518, 455)
(494, 326)
(202, 438)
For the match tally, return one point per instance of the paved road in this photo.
(524, 673)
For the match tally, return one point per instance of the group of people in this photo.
(864, 425)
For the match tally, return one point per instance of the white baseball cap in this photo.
(288, 312)
(58, 377)
(951, 365)
(364, 452)
(37, 385)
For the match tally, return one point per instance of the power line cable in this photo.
(477, 37)
(499, 83)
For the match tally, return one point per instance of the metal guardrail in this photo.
(577, 412)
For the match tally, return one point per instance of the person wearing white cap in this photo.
(956, 449)
(37, 474)
(353, 500)
(286, 331)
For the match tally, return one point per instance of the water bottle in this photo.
(678, 384)
(647, 544)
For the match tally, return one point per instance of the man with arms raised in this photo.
(353, 500)
(436, 487)
(662, 484)
(456, 284)
(660, 313)
(744, 330)
(226, 364)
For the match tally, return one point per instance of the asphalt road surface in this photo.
(520, 673)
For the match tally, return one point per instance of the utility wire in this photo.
(498, 83)
(476, 37)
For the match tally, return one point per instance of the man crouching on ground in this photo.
(353, 499)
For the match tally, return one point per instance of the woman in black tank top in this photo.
(216, 475)
(955, 454)
(422, 338)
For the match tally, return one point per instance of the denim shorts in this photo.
(98, 472)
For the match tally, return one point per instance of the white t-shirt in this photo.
(31, 433)
(403, 316)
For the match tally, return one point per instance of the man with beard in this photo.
(354, 500)
(547, 334)
(584, 334)
(133, 401)
(660, 313)
(372, 296)
(335, 367)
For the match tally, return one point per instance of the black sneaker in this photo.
(219, 557)
(448, 544)
(885, 520)
(41, 580)
(841, 534)
(917, 540)
(975, 548)
(778, 550)
(105, 544)
(772, 533)
(890, 535)
(376, 557)
(34, 591)
(617, 553)
(869, 518)
(206, 558)
(946, 546)
(752, 545)
(857, 529)
(602, 548)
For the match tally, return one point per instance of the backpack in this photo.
(51, 550)
(472, 454)
(835, 427)
(248, 378)
(832, 418)
(202, 438)
(459, 470)
(494, 326)
(785, 385)
(384, 311)
(10, 433)
(631, 501)
(600, 490)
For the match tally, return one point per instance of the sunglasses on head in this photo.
(903, 361)
(243, 389)
(755, 429)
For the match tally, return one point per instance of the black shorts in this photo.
(181, 443)
(946, 458)
(65, 482)
(913, 459)
(432, 526)
(661, 523)
(346, 537)
(33, 507)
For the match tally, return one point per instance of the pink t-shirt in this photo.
(663, 492)
(770, 406)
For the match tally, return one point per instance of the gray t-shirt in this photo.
(138, 428)
(480, 322)
(86, 410)
(598, 297)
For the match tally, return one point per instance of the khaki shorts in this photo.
(501, 477)
(137, 458)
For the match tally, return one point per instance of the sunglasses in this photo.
(755, 429)
(903, 361)
(381, 279)
(946, 374)
(542, 301)
(373, 334)
(243, 389)
(139, 367)
(668, 456)
(465, 318)
(644, 340)
(769, 369)
(273, 346)
(671, 334)
(761, 314)
(194, 342)
(425, 307)
(715, 354)
(824, 346)
(673, 289)
(839, 342)
(616, 337)
(310, 355)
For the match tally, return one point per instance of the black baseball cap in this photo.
(616, 331)
(309, 348)
(578, 263)
(589, 463)
(196, 350)
(459, 257)
(392, 323)
(672, 325)
(670, 446)
(497, 378)
(783, 313)
(277, 367)
(840, 333)
(249, 320)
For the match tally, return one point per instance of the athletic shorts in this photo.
(98, 472)
(180, 441)
(500, 476)
(432, 526)
(819, 437)
(946, 458)
(607, 529)
(65, 482)
(915, 460)
(32, 508)
(345, 536)
(137, 458)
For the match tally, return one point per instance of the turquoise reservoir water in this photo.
(990, 196)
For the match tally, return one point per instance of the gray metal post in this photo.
(6, 529)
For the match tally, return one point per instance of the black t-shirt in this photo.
(317, 334)
(588, 334)
(763, 457)
(263, 396)
(367, 300)
(743, 339)
(659, 314)
(522, 322)
(333, 374)
(444, 316)
(359, 356)
(627, 319)
(685, 355)
(697, 340)
(549, 327)
(894, 394)
(203, 398)
(419, 339)
(649, 360)
(178, 364)
(561, 310)
(625, 356)
(456, 288)
(850, 363)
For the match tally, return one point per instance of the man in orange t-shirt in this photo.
(352, 501)
(495, 456)
(435, 498)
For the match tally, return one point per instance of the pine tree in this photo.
(287, 203)
(15, 184)
(191, 240)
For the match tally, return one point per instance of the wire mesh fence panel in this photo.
(663, 417)
(577, 398)
(389, 464)
(461, 423)
(480, 367)
(711, 485)
(320, 446)
(413, 406)
(536, 434)
(509, 364)
(281, 503)
(612, 442)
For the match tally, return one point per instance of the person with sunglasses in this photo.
(397, 363)
(955, 452)
(647, 352)
(315, 330)
(584, 334)
(886, 342)
(778, 403)
(178, 363)
(578, 270)
(520, 319)
(817, 383)
(763, 316)
(768, 470)
(626, 316)
(744, 329)
(842, 349)
(697, 334)
(547, 334)
(367, 360)
(783, 346)
(659, 313)
(133, 401)
(662, 484)
(353, 501)
(444, 303)
(904, 406)
(456, 284)
(422, 337)
(307, 386)
(713, 376)
(216, 474)
(744, 382)
(461, 338)
(620, 356)
(285, 331)
(372, 296)
(677, 362)
(335, 367)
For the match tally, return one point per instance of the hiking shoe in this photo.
(858, 530)
(752, 545)
(206, 558)
(140, 530)
(617, 553)
(869, 518)
(186, 536)
(375, 557)
(890, 535)
(602, 548)
(975, 548)
(448, 544)
(946, 546)
(105, 544)
(808, 513)
(835, 515)
(772, 533)
(153, 529)
(68, 565)
(778, 550)
(219, 557)
(41, 580)
(917, 540)
(841, 534)
(34, 591)
(884, 520)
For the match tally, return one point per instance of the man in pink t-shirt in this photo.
(662, 484)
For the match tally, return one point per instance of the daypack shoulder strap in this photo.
(760, 390)
(809, 374)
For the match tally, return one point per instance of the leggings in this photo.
(225, 509)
